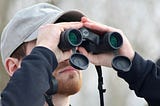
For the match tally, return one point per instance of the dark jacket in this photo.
(29, 83)
(144, 79)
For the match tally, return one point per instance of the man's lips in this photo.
(68, 69)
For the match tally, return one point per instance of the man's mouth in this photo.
(68, 69)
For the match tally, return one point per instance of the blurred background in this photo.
(139, 20)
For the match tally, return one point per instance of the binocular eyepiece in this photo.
(69, 39)
(91, 41)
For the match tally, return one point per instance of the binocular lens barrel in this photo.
(73, 38)
(115, 40)
(69, 39)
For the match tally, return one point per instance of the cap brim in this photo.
(68, 16)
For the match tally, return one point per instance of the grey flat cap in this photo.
(24, 25)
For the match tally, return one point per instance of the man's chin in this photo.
(69, 87)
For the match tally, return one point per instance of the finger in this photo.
(97, 26)
(88, 55)
(66, 55)
(83, 51)
(70, 25)
(85, 19)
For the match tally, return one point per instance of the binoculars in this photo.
(91, 41)
(94, 43)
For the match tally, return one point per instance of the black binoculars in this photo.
(95, 44)
(91, 41)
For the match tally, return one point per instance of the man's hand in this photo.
(105, 59)
(49, 36)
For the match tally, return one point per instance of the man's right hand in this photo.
(49, 36)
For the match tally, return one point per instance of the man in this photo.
(31, 57)
(31, 76)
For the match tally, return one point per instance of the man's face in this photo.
(69, 79)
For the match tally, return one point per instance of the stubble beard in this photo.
(71, 85)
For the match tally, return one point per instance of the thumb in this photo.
(65, 55)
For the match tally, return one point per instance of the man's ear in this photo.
(11, 65)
